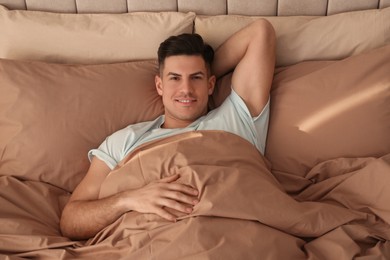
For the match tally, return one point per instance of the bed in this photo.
(73, 72)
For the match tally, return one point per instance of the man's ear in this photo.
(212, 81)
(158, 82)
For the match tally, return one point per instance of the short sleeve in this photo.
(120, 143)
(111, 150)
(258, 125)
(233, 116)
(103, 154)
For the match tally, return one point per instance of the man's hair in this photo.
(185, 44)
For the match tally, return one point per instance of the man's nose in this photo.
(186, 86)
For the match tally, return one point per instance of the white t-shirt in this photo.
(232, 116)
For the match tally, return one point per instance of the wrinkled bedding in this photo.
(67, 81)
(244, 212)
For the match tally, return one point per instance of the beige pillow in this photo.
(321, 110)
(87, 38)
(309, 38)
(52, 114)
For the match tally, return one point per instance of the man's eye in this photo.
(197, 77)
(174, 78)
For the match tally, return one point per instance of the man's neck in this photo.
(171, 123)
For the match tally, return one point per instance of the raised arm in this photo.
(251, 53)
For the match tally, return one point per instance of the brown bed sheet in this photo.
(244, 213)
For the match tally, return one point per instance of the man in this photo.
(187, 78)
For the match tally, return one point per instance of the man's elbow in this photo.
(68, 226)
(264, 30)
(65, 227)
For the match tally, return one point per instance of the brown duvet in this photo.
(244, 212)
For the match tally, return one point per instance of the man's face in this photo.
(184, 85)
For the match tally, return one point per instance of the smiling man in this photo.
(185, 84)
(188, 70)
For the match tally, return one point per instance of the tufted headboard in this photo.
(203, 7)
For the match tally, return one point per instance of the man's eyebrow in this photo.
(198, 73)
(173, 74)
(179, 75)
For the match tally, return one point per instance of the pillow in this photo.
(322, 110)
(87, 38)
(309, 38)
(52, 114)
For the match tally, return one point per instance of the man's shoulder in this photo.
(228, 102)
(135, 129)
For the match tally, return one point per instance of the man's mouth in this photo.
(185, 101)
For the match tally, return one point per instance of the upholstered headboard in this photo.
(203, 7)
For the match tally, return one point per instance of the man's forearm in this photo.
(230, 53)
(84, 219)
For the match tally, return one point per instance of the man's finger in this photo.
(180, 196)
(175, 205)
(165, 214)
(171, 178)
(183, 188)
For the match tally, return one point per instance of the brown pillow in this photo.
(52, 114)
(322, 110)
(87, 38)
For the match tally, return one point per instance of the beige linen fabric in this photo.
(303, 38)
(87, 38)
